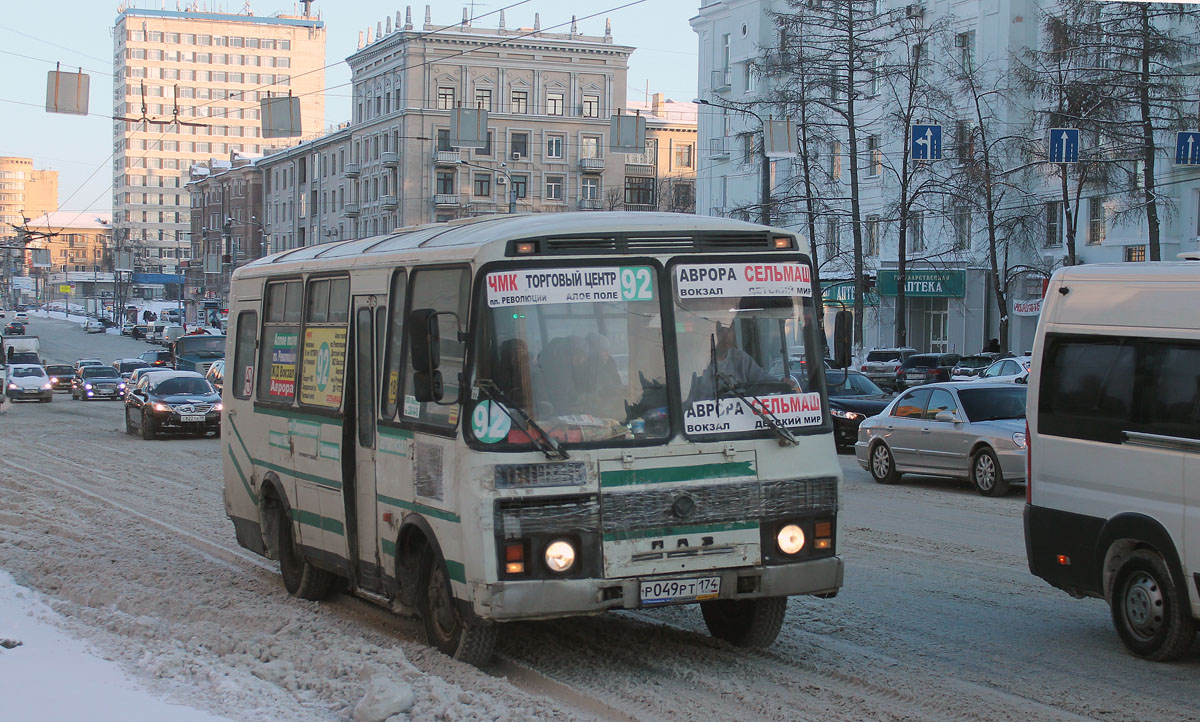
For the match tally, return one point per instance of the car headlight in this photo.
(47, 386)
(218, 407)
(560, 556)
(53, 379)
(121, 386)
(850, 415)
(88, 387)
(1019, 439)
(790, 539)
(13, 387)
(160, 406)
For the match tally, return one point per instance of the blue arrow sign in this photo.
(926, 142)
(1064, 145)
(1187, 148)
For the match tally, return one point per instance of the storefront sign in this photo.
(570, 285)
(1030, 307)
(926, 283)
(840, 295)
(743, 279)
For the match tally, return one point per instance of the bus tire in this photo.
(1151, 614)
(445, 628)
(300, 578)
(745, 622)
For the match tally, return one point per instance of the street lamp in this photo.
(512, 189)
(765, 188)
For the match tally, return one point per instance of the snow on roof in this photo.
(75, 220)
(666, 110)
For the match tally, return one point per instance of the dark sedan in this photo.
(14, 329)
(60, 376)
(174, 401)
(97, 382)
(852, 398)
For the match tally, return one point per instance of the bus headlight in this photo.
(790, 539)
(560, 556)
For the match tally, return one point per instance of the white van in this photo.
(1113, 495)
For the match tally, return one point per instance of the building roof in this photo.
(308, 22)
(75, 220)
(670, 111)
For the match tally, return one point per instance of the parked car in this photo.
(181, 401)
(126, 366)
(925, 368)
(97, 382)
(14, 329)
(29, 381)
(963, 429)
(216, 375)
(969, 367)
(1008, 370)
(156, 358)
(60, 376)
(881, 364)
(852, 398)
(94, 325)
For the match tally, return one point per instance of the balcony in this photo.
(591, 204)
(721, 80)
(351, 170)
(390, 159)
(591, 164)
(718, 147)
(640, 207)
(351, 210)
(446, 199)
(389, 203)
(639, 168)
(447, 157)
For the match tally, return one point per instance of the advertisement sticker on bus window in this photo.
(324, 367)
(743, 279)
(412, 407)
(283, 365)
(490, 423)
(732, 415)
(570, 285)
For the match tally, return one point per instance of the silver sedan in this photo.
(971, 430)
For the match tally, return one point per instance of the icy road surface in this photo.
(939, 619)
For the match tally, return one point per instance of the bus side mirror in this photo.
(425, 340)
(843, 329)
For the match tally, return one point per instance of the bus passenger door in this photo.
(359, 447)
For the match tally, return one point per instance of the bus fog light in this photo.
(790, 539)
(560, 556)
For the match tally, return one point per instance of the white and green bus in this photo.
(538, 416)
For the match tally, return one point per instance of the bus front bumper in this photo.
(551, 598)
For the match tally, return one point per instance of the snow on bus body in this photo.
(562, 477)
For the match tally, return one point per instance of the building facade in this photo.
(187, 87)
(24, 192)
(80, 269)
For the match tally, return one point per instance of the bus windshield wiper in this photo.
(786, 438)
(542, 440)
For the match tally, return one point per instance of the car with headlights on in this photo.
(29, 382)
(97, 382)
(60, 376)
(964, 429)
(852, 398)
(175, 401)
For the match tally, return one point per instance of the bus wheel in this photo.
(745, 622)
(445, 628)
(300, 578)
(1151, 614)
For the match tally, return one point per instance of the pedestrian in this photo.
(992, 346)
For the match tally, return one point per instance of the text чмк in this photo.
(500, 282)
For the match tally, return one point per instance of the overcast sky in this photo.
(35, 35)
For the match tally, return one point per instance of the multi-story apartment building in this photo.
(950, 294)
(80, 256)
(24, 192)
(187, 87)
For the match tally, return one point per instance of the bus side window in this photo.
(280, 345)
(445, 290)
(394, 345)
(243, 353)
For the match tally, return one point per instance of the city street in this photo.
(939, 618)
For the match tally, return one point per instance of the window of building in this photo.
(965, 44)
(833, 237)
(749, 77)
(1054, 224)
(445, 98)
(683, 155)
(520, 102)
(486, 150)
(875, 154)
(589, 188)
(483, 185)
(1097, 224)
(555, 145)
(589, 146)
(1135, 254)
(554, 103)
(554, 187)
(445, 182)
(443, 139)
(591, 106)
(916, 231)
(519, 144)
(685, 196)
(520, 184)
(639, 191)
(962, 229)
(835, 160)
(872, 239)
(483, 99)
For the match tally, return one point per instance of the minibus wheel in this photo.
(446, 629)
(300, 578)
(745, 622)
(1151, 614)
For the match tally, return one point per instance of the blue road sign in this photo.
(1187, 148)
(1064, 145)
(926, 142)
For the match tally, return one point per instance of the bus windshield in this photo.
(747, 356)
(579, 350)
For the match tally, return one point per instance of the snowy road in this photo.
(939, 619)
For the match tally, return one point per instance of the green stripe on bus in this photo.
(420, 508)
(242, 475)
(665, 474)
(297, 414)
(237, 435)
(389, 546)
(320, 480)
(397, 433)
(323, 523)
(675, 530)
(456, 571)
